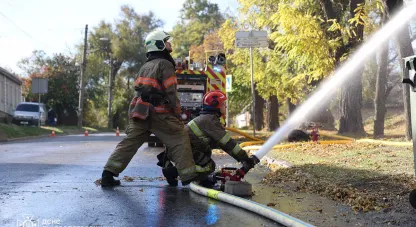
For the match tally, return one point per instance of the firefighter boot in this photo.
(108, 180)
(207, 183)
(162, 159)
(171, 174)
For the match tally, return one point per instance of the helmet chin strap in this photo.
(160, 54)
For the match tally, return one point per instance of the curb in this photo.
(39, 137)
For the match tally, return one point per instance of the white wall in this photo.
(2, 93)
(243, 120)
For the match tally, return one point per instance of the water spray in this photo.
(329, 86)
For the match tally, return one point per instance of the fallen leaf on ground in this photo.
(128, 179)
(98, 182)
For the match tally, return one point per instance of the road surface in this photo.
(50, 182)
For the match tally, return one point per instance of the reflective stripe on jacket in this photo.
(206, 130)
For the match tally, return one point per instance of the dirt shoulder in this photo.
(371, 181)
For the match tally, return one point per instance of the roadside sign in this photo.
(228, 83)
(247, 39)
(251, 39)
(39, 85)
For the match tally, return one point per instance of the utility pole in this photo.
(227, 114)
(39, 114)
(110, 94)
(253, 92)
(81, 80)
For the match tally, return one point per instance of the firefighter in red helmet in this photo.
(206, 132)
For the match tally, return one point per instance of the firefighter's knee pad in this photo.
(163, 160)
(207, 168)
(203, 160)
(213, 165)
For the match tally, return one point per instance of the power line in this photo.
(21, 29)
(61, 29)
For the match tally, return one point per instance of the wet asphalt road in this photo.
(50, 182)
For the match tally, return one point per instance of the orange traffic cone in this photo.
(86, 132)
(118, 132)
(53, 133)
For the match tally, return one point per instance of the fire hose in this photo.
(256, 141)
(252, 206)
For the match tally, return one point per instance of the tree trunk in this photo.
(405, 50)
(328, 9)
(259, 110)
(272, 113)
(381, 86)
(380, 99)
(351, 121)
(290, 107)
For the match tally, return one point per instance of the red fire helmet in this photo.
(214, 99)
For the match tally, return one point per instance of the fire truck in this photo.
(194, 80)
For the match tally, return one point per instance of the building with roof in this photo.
(10, 94)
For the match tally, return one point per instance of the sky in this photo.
(56, 26)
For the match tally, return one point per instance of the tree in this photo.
(292, 63)
(198, 18)
(351, 93)
(211, 42)
(405, 49)
(34, 63)
(62, 74)
(381, 83)
(125, 50)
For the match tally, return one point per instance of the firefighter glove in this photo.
(250, 163)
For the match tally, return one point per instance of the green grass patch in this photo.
(12, 131)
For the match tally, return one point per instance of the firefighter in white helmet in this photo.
(155, 109)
